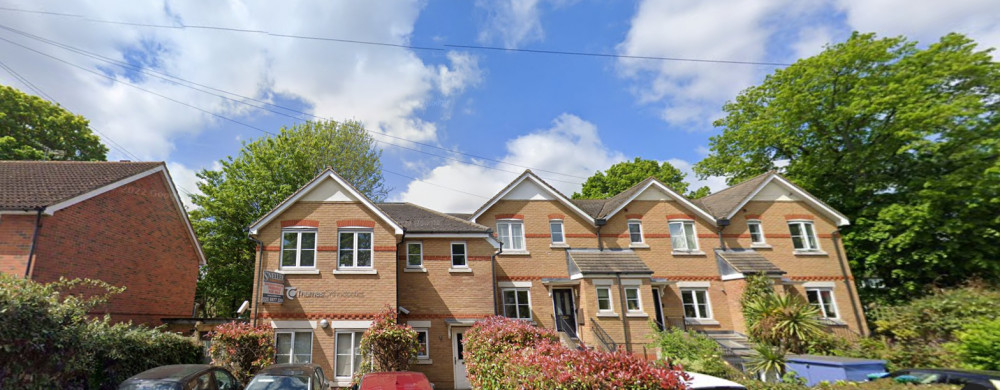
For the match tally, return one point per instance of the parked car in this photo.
(289, 377)
(708, 382)
(399, 380)
(972, 380)
(182, 377)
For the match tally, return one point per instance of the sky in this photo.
(457, 117)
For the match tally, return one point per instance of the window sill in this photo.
(515, 253)
(340, 382)
(687, 253)
(637, 245)
(700, 321)
(608, 314)
(637, 315)
(414, 269)
(460, 270)
(355, 272)
(832, 322)
(760, 246)
(810, 253)
(422, 361)
(559, 246)
(307, 271)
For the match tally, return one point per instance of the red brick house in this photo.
(120, 222)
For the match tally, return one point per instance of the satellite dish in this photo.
(243, 307)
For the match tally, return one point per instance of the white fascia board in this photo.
(838, 217)
(691, 206)
(527, 175)
(486, 236)
(309, 187)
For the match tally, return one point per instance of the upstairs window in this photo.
(803, 235)
(822, 299)
(556, 230)
(756, 232)
(511, 234)
(458, 256)
(516, 304)
(355, 249)
(298, 248)
(683, 237)
(635, 232)
(414, 255)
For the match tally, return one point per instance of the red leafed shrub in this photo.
(504, 354)
(386, 345)
(242, 348)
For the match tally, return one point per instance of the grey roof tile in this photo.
(416, 219)
(747, 261)
(721, 203)
(32, 184)
(593, 261)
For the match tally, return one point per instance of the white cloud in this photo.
(385, 87)
(714, 183)
(512, 22)
(186, 181)
(572, 147)
(926, 21)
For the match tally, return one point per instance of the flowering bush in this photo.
(503, 354)
(389, 345)
(242, 348)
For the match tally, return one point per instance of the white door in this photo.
(458, 354)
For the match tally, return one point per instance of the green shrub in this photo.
(122, 350)
(978, 345)
(387, 345)
(693, 351)
(884, 384)
(785, 321)
(758, 286)
(242, 348)
(936, 318)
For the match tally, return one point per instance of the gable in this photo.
(776, 193)
(528, 190)
(655, 194)
(328, 191)
(656, 191)
(530, 187)
(778, 189)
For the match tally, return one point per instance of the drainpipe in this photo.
(493, 273)
(599, 223)
(722, 223)
(34, 241)
(406, 260)
(847, 282)
(621, 296)
(260, 272)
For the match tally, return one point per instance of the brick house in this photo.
(598, 271)
(120, 222)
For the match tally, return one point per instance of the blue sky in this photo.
(565, 116)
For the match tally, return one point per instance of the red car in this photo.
(400, 380)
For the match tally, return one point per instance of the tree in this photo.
(902, 140)
(265, 172)
(387, 345)
(243, 349)
(626, 174)
(34, 129)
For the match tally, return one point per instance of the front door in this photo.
(565, 311)
(659, 309)
(458, 353)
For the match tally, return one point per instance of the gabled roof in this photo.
(747, 262)
(327, 174)
(416, 219)
(608, 261)
(726, 203)
(529, 175)
(27, 185)
(618, 202)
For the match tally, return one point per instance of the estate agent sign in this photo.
(273, 288)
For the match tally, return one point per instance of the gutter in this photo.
(260, 271)
(34, 241)
(847, 282)
(624, 309)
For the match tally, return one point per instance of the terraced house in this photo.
(597, 271)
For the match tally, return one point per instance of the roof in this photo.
(174, 371)
(529, 175)
(416, 219)
(26, 185)
(606, 208)
(747, 261)
(721, 203)
(831, 360)
(608, 261)
(288, 369)
(592, 207)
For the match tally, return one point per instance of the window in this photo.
(604, 300)
(556, 230)
(516, 304)
(822, 299)
(298, 248)
(347, 353)
(635, 232)
(756, 232)
(682, 236)
(458, 255)
(414, 255)
(696, 303)
(803, 236)
(511, 234)
(355, 249)
(423, 350)
(632, 299)
(293, 347)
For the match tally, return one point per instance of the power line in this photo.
(608, 55)
(434, 184)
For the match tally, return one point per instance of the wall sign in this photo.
(273, 288)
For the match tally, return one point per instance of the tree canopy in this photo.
(264, 173)
(626, 174)
(32, 128)
(901, 139)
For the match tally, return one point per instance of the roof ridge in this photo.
(739, 184)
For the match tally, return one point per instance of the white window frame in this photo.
(355, 333)
(810, 242)
(562, 231)
(820, 305)
(298, 247)
(638, 299)
(355, 250)
(694, 233)
(642, 236)
(517, 302)
(695, 302)
(465, 254)
(507, 225)
(611, 301)
(760, 232)
(421, 246)
(291, 353)
(427, 343)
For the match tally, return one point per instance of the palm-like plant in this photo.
(767, 361)
(785, 321)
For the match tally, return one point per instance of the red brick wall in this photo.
(16, 232)
(131, 236)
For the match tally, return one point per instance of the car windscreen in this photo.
(268, 382)
(148, 385)
(919, 377)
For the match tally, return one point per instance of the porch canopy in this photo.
(595, 262)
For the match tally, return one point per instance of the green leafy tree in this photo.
(979, 344)
(34, 129)
(626, 174)
(264, 173)
(902, 140)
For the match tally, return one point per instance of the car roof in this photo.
(393, 380)
(991, 374)
(288, 369)
(174, 372)
(702, 381)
